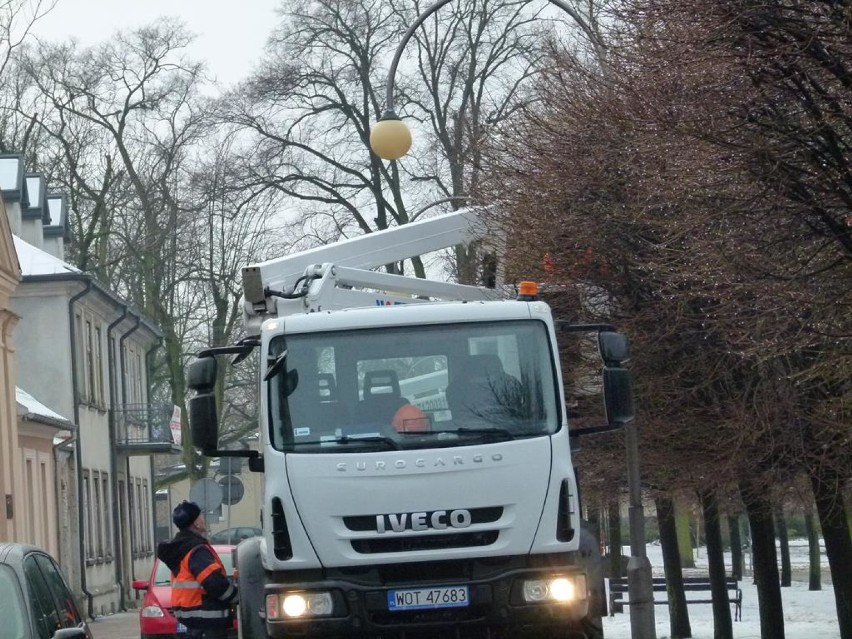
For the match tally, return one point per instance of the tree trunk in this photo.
(678, 611)
(737, 559)
(593, 516)
(765, 562)
(722, 627)
(616, 565)
(827, 488)
(814, 568)
(684, 536)
(784, 543)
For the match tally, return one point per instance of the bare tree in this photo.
(646, 186)
(137, 99)
(313, 102)
(17, 18)
(235, 227)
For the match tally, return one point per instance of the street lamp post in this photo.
(390, 139)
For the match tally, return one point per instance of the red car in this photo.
(155, 615)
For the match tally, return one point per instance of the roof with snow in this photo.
(34, 261)
(30, 408)
(37, 263)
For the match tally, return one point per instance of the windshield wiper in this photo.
(493, 432)
(369, 439)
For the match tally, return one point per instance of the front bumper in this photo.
(496, 607)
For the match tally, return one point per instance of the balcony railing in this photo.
(144, 429)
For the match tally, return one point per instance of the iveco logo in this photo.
(437, 520)
(420, 462)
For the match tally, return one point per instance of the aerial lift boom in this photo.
(341, 275)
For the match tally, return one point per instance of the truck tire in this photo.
(250, 581)
(593, 628)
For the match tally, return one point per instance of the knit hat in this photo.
(185, 513)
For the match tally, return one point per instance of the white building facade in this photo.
(84, 353)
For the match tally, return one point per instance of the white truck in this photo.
(415, 451)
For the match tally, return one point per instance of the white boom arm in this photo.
(336, 271)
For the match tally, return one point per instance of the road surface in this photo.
(123, 625)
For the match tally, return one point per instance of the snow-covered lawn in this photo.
(807, 615)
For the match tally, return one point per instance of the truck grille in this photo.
(362, 523)
(425, 542)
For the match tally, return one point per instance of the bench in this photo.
(618, 593)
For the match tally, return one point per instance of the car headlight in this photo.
(153, 611)
(562, 589)
(298, 605)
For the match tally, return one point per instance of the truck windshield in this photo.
(412, 387)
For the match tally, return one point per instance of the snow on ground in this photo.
(807, 615)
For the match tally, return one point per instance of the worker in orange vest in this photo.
(203, 596)
(410, 419)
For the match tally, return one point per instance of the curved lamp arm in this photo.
(390, 138)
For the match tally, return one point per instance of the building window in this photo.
(140, 517)
(131, 498)
(99, 368)
(98, 515)
(133, 375)
(113, 375)
(139, 536)
(47, 539)
(31, 520)
(137, 380)
(90, 363)
(146, 533)
(107, 515)
(88, 525)
(80, 363)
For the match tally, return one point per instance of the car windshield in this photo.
(163, 576)
(412, 387)
(14, 625)
(234, 535)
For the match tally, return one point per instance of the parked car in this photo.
(155, 614)
(35, 598)
(234, 535)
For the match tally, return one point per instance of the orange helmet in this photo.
(410, 419)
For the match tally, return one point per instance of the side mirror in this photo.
(201, 374)
(618, 395)
(70, 633)
(139, 584)
(203, 419)
(614, 347)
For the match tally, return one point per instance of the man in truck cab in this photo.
(203, 596)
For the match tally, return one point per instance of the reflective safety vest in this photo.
(191, 605)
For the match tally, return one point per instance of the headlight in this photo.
(296, 605)
(152, 611)
(555, 589)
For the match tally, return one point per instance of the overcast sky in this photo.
(229, 35)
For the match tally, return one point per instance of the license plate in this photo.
(425, 598)
(180, 628)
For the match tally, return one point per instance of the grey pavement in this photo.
(122, 625)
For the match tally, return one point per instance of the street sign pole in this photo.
(639, 580)
(230, 530)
